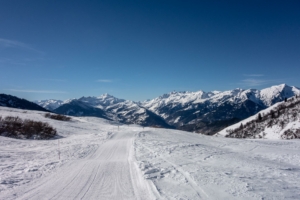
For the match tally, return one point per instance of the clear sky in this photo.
(138, 50)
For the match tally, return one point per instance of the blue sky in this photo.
(138, 50)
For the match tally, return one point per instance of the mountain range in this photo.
(209, 112)
(200, 112)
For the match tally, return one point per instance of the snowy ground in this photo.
(188, 166)
(98, 160)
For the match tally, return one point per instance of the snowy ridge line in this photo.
(190, 180)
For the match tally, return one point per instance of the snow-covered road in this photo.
(108, 173)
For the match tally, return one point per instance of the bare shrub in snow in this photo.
(57, 117)
(16, 127)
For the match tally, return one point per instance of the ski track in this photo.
(200, 192)
(105, 174)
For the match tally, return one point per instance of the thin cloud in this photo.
(254, 75)
(258, 82)
(104, 80)
(38, 91)
(16, 44)
(254, 82)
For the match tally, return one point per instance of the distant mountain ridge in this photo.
(195, 111)
(79, 108)
(202, 112)
(109, 107)
(50, 104)
(102, 101)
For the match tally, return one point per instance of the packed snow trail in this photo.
(109, 173)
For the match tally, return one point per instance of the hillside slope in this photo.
(280, 121)
(15, 102)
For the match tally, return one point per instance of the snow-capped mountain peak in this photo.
(276, 93)
(191, 108)
(102, 101)
(50, 104)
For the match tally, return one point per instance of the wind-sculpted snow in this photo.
(189, 166)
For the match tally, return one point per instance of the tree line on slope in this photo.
(281, 115)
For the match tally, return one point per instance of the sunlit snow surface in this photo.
(100, 159)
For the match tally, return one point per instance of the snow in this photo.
(265, 97)
(268, 94)
(102, 159)
(176, 98)
(189, 166)
(96, 162)
(234, 126)
(50, 104)
(177, 119)
(273, 132)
